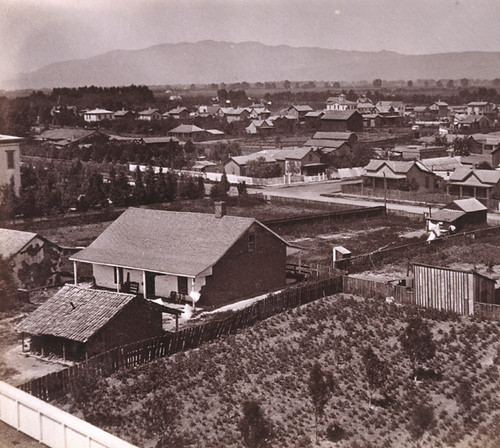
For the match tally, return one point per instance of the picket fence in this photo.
(57, 384)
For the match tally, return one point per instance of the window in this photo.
(10, 160)
(426, 182)
(251, 242)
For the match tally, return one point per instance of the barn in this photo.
(78, 323)
(34, 260)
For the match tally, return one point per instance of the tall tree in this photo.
(255, 429)
(321, 387)
(422, 419)
(375, 371)
(417, 342)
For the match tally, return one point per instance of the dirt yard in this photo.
(16, 367)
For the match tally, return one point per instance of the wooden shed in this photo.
(450, 289)
(78, 323)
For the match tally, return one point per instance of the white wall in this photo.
(50, 425)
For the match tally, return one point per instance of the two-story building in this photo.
(10, 167)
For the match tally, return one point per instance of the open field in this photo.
(195, 398)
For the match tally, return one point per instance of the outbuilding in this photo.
(78, 323)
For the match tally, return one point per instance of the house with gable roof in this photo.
(174, 254)
(341, 121)
(395, 175)
(299, 111)
(261, 127)
(149, 115)
(474, 183)
(34, 261)
(96, 115)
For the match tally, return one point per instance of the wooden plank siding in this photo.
(444, 289)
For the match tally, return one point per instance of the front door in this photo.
(150, 285)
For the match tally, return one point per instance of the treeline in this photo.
(171, 154)
(57, 188)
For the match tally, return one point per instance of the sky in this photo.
(34, 33)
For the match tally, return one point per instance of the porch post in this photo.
(144, 289)
(75, 273)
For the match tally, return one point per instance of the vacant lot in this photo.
(195, 398)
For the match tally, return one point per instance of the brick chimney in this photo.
(220, 209)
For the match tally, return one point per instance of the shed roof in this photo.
(13, 241)
(166, 242)
(75, 313)
(301, 108)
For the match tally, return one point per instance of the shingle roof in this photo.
(75, 313)
(12, 241)
(166, 242)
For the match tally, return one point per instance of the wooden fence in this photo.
(372, 288)
(56, 384)
(487, 310)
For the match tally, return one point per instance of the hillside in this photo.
(209, 62)
(195, 398)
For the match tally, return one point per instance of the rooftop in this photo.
(75, 313)
(12, 241)
(165, 242)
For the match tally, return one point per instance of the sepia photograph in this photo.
(249, 224)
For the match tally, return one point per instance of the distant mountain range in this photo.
(215, 62)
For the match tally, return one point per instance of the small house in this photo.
(301, 160)
(260, 127)
(96, 115)
(188, 132)
(172, 254)
(299, 111)
(34, 260)
(78, 323)
(400, 175)
(474, 183)
(149, 115)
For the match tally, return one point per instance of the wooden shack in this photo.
(450, 289)
(78, 323)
